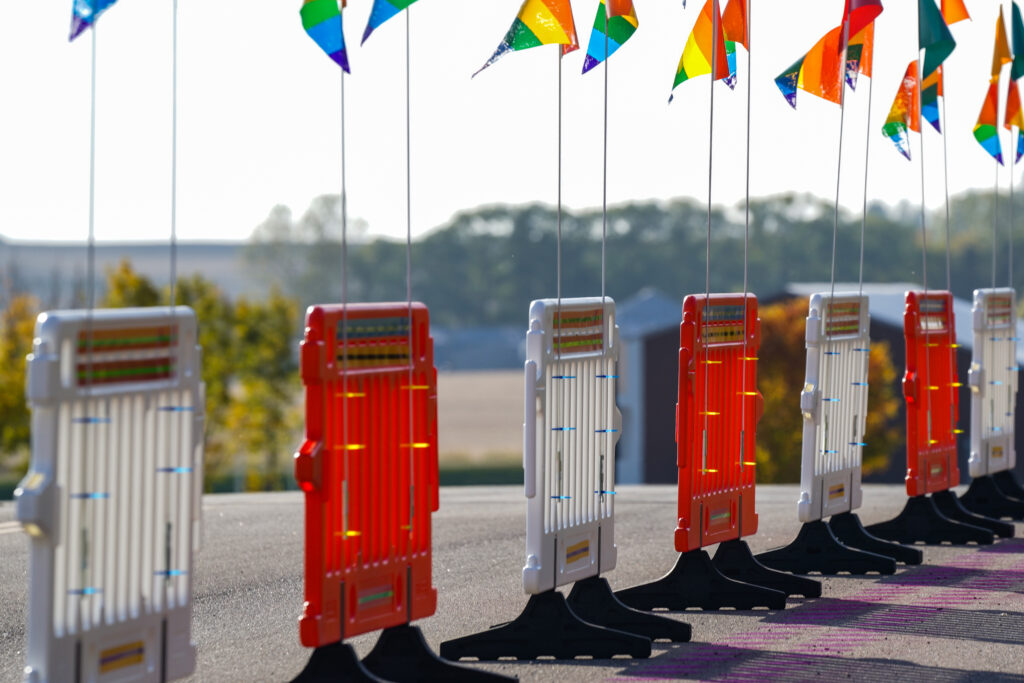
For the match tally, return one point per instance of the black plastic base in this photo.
(333, 663)
(950, 505)
(851, 532)
(402, 655)
(735, 560)
(1007, 483)
(816, 549)
(593, 601)
(547, 628)
(695, 581)
(921, 521)
(983, 497)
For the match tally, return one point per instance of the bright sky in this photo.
(259, 116)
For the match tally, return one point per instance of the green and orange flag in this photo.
(611, 30)
(696, 59)
(905, 113)
(986, 130)
(539, 22)
(1014, 117)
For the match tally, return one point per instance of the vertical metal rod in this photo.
(707, 254)
(408, 260)
(345, 391)
(864, 206)
(174, 157)
(746, 255)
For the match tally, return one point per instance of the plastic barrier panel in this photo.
(993, 381)
(716, 419)
(570, 431)
(112, 499)
(834, 403)
(368, 467)
(932, 392)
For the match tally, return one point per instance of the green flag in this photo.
(933, 36)
(1017, 70)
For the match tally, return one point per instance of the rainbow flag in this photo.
(381, 12)
(931, 91)
(539, 22)
(1014, 117)
(734, 26)
(1001, 52)
(859, 55)
(905, 112)
(620, 28)
(986, 131)
(817, 72)
(84, 14)
(859, 14)
(322, 21)
(696, 59)
(933, 36)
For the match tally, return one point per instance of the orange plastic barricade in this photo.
(716, 435)
(834, 404)
(931, 390)
(368, 469)
(993, 379)
(112, 498)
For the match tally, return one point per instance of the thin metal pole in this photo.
(174, 157)
(345, 391)
(408, 259)
(1013, 155)
(945, 177)
(707, 252)
(604, 183)
(995, 224)
(924, 253)
(558, 214)
(864, 206)
(746, 255)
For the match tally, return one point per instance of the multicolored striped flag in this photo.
(1001, 52)
(931, 91)
(858, 14)
(817, 72)
(986, 130)
(933, 36)
(381, 12)
(322, 21)
(859, 55)
(734, 27)
(84, 14)
(1017, 28)
(905, 113)
(539, 22)
(954, 11)
(696, 59)
(620, 28)
(1014, 116)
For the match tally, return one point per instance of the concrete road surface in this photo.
(957, 617)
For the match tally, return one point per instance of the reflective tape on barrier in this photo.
(931, 390)
(993, 381)
(112, 497)
(834, 403)
(571, 427)
(368, 468)
(716, 419)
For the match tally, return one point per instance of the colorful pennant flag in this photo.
(620, 8)
(858, 14)
(1017, 29)
(986, 130)
(933, 36)
(539, 22)
(859, 55)
(817, 72)
(84, 14)
(1001, 53)
(734, 27)
(322, 21)
(905, 112)
(620, 28)
(931, 91)
(954, 11)
(696, 59)
(1014, 116)
(381, 12)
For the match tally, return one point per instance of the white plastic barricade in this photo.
(993, 381)
(112, 498)
(834, 403)
(569, 435)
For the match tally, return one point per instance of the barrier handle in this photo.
(530, 430)
(309, 464)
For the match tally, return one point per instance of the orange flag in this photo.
(734, 22)
(954, 11)
(1001, 55)
(620, 8)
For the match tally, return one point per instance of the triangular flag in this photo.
(986, 130)
(734, 26)
(905, 112)
(381, 12)
(817, 72)
(696, 59)
(322, 21)
(1001, 53)
(620, 28)
(859, 55)
(620, 8)
(1014, 116)
(84, 14)
(931, 91)
(539, 22)
(1017, 25)
(858, 14)
(933, 36)
(954, 11)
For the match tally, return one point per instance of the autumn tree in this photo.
(17, 328)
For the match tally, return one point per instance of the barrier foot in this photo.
(921, 521)
(547, 628)
(334, 662)
(848, 528)
(816, 549)
(950, 505)
(401, 654)
(593, 601)
(1007, 483)
(984, 497)
(695, 581)
(735, 560)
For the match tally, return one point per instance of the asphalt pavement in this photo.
(957, 617)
